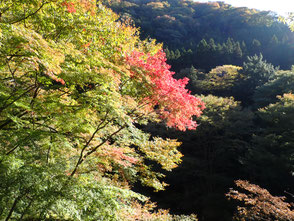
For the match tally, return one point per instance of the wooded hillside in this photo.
(206, 35)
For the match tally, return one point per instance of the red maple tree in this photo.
(176, 105)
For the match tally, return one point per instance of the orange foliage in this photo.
(259, 204)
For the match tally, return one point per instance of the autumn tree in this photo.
(74, 85)
(258, 204)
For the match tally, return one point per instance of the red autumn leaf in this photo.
(176, 105)
(70, 6)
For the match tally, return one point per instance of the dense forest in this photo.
(76, 86)
(145, 110)
(206, 35)
(239, 62)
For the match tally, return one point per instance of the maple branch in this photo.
(29, 15)
(28, 89)
(108, 138)
(5, 10)
(48, 151)
(99, 127)
(17, 145)
(17, 199)
(13, 149)
(36, 90)
(83, 157)
(31, 103)
(13, 207)
(12, 55)
(13, 71)
(9, 120)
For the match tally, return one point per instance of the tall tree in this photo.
(270, 159)
(256, 72)
(74, 85)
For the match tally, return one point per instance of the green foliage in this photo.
(70, 105)
(270, 159)
(256, 72)
(231, 34)
(224, 115)
(221, 80)
(212, 157)
(185, 218)
(281, 83)
(289, 20)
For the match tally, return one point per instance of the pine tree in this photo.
(256, 72)
(238, 50)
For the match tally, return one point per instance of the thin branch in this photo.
(35, 12)
(13, 149)
(49, 149)
(107, 139)
(82, 158)
(17, 98)
(12, 208)
(5, 10)
(12, 72)
(10, 121)
(14, 55)
(36, 90)
(99, 127)
(26, 209)
(34, 97)
(17, 145)
(24, 21)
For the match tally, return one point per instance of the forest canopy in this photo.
(211, 34)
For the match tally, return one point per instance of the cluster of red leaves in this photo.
(70, 6)
(176, 105)
(259, 204)
(88, 5)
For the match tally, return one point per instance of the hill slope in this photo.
(196, 32)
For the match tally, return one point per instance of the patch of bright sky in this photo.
(281, 7)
